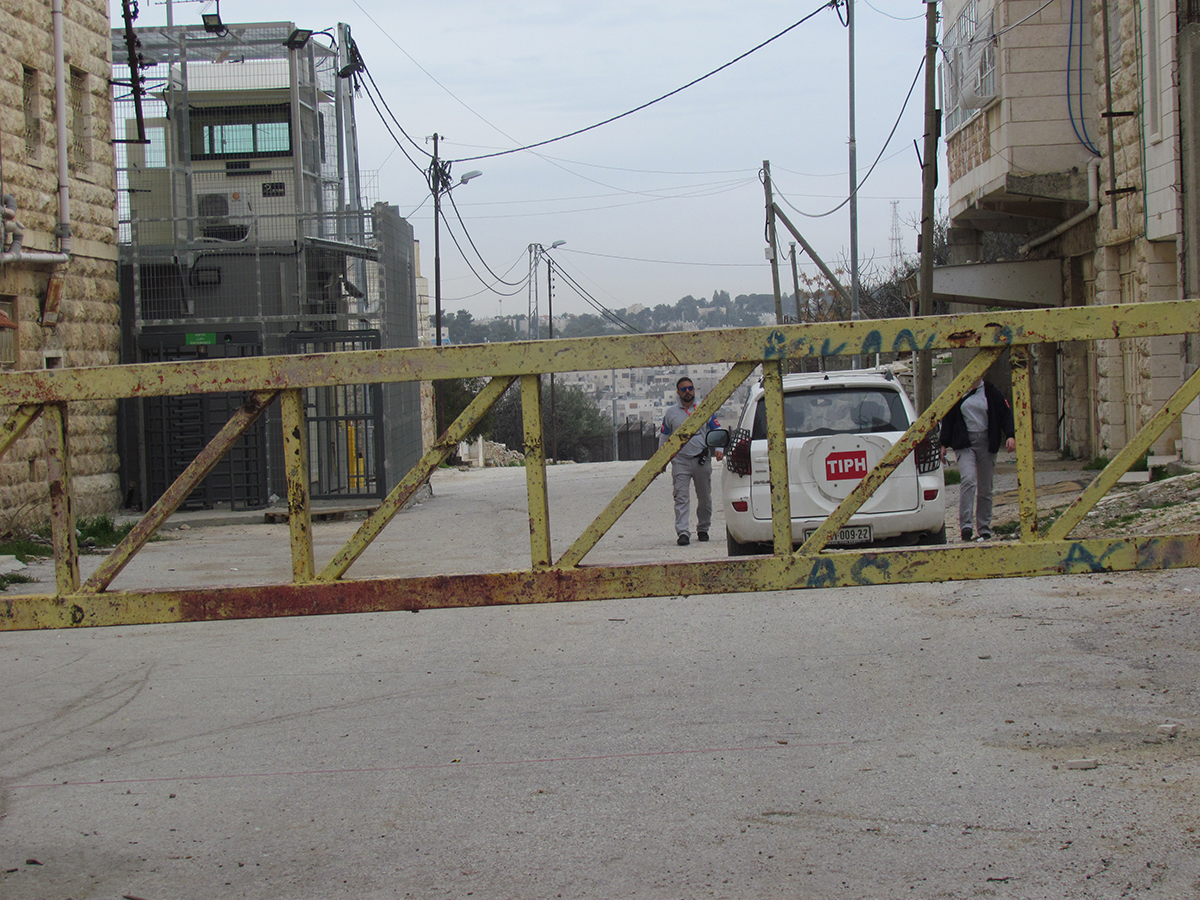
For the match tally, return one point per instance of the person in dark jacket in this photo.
(975, 428)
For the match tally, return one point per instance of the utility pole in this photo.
(801, 366)
(928, 185)
(550, 313)
(436, 183)
(854, 311)
(773, 249)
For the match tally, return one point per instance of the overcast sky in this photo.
(662, 203)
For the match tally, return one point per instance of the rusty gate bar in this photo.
(63, 536)
(1023, 420)
(400, 494)
(777, 342)
(777, 470)
(295, 461)
(189, 479)
(900, 450)
(48, 393)
(655, 464)
(1133, 449)
(550, 585)
(17, 424)
(535, 471)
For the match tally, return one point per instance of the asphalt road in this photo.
(883, 742)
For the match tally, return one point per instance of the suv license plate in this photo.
(851, 534)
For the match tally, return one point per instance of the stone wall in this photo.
(88, 331)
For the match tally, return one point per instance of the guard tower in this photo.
(245, 228)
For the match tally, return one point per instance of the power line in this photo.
(667, 262)
(859, 186)
(457, 215)
(371, 78)
(490, 287)
(832, 4)
(604, 311)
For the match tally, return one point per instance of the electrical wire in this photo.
(1084, 138)
(371, 78)
(831, 4)
(859, 186)
(429, 74)
(471, 241)
(518, 287)
(638, 202)
(604, 311)
(388, 129)
(521, 258)
(666, 262)
(890, 16)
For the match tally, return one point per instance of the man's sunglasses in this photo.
(687, 390)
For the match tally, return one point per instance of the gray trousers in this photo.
(977, 467)
(684, 471)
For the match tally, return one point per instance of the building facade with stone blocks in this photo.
(1036, 149)
(76, 253)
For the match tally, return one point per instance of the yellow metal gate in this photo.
(325, 587)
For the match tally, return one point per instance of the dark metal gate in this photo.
(345, 423)
(177, 428)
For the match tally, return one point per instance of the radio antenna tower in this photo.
(897, 240)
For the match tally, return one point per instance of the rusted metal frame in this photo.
(967, 330)
(550, 585)
(916, 433)
(62, 516)
(17, 424)
(180, 490)
(777, 464)
(417, 475)
(1023, 422)
(295, 464)
(654, 466)
(1109, 475)
(535, 471)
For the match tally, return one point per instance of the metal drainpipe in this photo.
(60, 114)
(1093, 207)
(12, 225)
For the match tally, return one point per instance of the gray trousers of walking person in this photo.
(977, 467)
(686, 470)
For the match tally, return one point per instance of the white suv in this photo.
(839, 425)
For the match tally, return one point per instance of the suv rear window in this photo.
(836, 410)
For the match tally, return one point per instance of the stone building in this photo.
(58, 287)
(1030, 91)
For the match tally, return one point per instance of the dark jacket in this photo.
(1000, 422)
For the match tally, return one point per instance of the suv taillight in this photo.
(928, 453)
(737, 458)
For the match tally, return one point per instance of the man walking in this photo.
(690, 465)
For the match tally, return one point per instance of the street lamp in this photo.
(536, 252)
(439, 183)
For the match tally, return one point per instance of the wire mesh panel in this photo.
(345, 424)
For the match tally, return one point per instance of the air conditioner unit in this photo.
(223, 216)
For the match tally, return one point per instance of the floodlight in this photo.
(212, 23)
(298, 38)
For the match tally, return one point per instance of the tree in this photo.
(584, 431)
(585, 325)
(453, 396)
